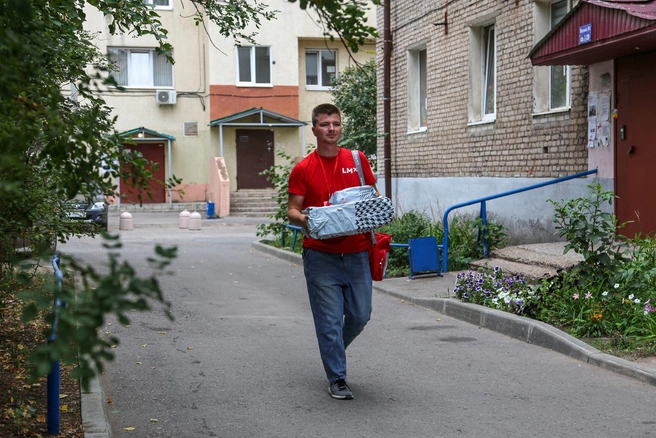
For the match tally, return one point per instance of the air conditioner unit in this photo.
(166, 97)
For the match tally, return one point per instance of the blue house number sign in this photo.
(585, 34)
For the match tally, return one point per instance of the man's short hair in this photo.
(325, 108)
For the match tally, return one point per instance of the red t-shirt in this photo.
(317, 178)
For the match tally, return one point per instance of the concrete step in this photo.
(253, 203)
(245, 194)
(261, 210)
(534, 261)
(531, 273)
(544, 254)
(251, 214)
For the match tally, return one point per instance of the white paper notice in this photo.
(604, 107)
(592, 132)
(592, 105)
(603, 133)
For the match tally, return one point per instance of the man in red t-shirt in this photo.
(337, 270)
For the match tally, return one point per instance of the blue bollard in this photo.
(53, 399)
(53, 384)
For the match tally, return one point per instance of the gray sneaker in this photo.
(340, 390)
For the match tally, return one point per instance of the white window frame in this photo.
(319, 66)
(486, 57)
(567, 70)
(542, 77)
(149, 56)
(417, 89)
(478, 72)
(252, 82)
(168, 6)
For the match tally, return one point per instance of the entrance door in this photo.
(635, 143)
(254, 154)
(153, 153)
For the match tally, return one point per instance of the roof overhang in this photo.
(257, 117)
(615, 28)
(145, 134)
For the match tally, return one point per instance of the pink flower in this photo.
(575, 296)
(588, 295)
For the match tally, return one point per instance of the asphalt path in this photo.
(241, 360)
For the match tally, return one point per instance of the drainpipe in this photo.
(387, 68)
(221, 140)
(170, 174)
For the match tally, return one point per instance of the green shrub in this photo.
(279, 175)
(465, 243)
(466, 240)
(610, 295)
(590, 231)
(411, 224)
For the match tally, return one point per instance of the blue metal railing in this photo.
(53, 385)
(483, 215)
(295, 229)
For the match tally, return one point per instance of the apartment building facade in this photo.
(617, 40)
(231, 102)
(472, 117)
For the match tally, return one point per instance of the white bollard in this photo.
(194, 221)
(125, 223)
(184, 219)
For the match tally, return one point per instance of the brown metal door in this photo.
(254, 154)
(155, 154)
(635, 143)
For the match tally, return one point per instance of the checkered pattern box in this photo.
(350, 218)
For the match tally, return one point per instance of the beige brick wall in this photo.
(518, 143)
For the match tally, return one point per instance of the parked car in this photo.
(95, 212)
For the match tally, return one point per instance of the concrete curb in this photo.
(517, 327)
(94, 416)
(277, 252)
(205, 223)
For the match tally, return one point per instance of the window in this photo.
(160, 4)
(482, 106)
(141, 68)
(253, 65)
(320, 68)
(551, 88)
(558, 74)
(489, 72)
(417, 90)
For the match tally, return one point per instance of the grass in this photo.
(607, 317)
(616, 346)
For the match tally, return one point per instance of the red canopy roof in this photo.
(617, 28)
(638, 8)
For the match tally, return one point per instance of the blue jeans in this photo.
(339, 288)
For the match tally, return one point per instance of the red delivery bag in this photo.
(378, 255)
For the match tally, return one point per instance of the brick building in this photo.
(471, 117)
